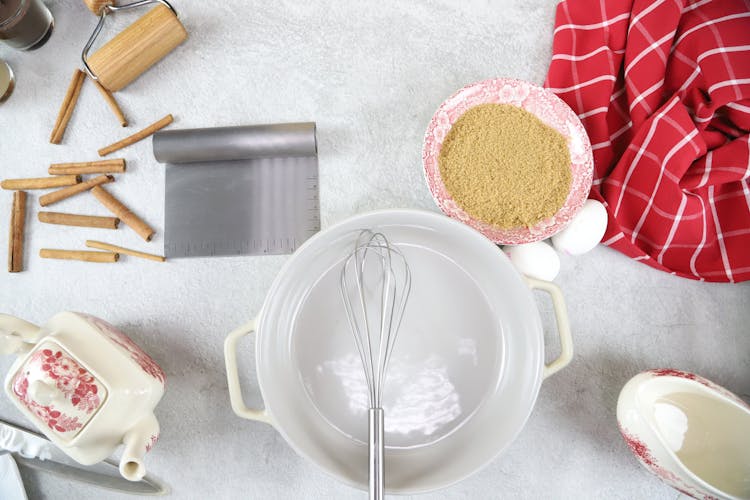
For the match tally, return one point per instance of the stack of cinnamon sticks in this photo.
(69, 178)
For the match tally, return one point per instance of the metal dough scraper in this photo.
(250, 190)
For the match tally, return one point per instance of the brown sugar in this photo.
(504, 166)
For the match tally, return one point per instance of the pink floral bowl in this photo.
(547, 107)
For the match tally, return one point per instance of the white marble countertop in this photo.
(370, 74)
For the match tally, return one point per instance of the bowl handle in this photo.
(233, 377)
(563, 325)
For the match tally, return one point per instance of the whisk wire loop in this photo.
(390, 278)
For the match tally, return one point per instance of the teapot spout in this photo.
(16, 335)
(138, 441)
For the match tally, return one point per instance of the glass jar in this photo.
(25, 24)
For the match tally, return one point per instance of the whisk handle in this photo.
(377, 464)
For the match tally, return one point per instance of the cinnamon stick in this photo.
(78, 220)
(129, 218)
(114, 248)
(68, 104)
(41, 182)
(154, 127)
(17, 225)
(110, 100)
(115, 166)
(84, 255)
(61, 194)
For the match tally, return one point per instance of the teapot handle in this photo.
(16, 334)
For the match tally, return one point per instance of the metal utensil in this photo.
(35, 451)
(245, 190)
(375, 285)
(11, 485)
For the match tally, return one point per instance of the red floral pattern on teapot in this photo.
(77, 394)
(145, 361)
(152, 442)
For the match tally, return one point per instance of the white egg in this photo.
(584, 232)
(536, 260)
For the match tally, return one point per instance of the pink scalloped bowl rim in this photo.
(547, 107)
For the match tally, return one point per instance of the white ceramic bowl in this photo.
(465, 370)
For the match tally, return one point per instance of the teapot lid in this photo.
(57, 391)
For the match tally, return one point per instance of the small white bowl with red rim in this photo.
(547, 107)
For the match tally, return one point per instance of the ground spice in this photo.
(504, 166)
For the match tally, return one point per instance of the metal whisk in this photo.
(375, 286)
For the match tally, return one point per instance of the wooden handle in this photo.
(138, 47)
(96, 6)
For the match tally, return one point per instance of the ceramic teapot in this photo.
(86, 386)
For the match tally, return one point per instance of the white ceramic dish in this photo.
(464, 374)
(691, 433)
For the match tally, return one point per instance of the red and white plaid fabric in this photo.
(663, 89)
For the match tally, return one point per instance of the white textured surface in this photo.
(370, 74)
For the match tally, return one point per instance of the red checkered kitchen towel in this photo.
(663, 89)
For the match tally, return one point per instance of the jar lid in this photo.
(56, 391)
